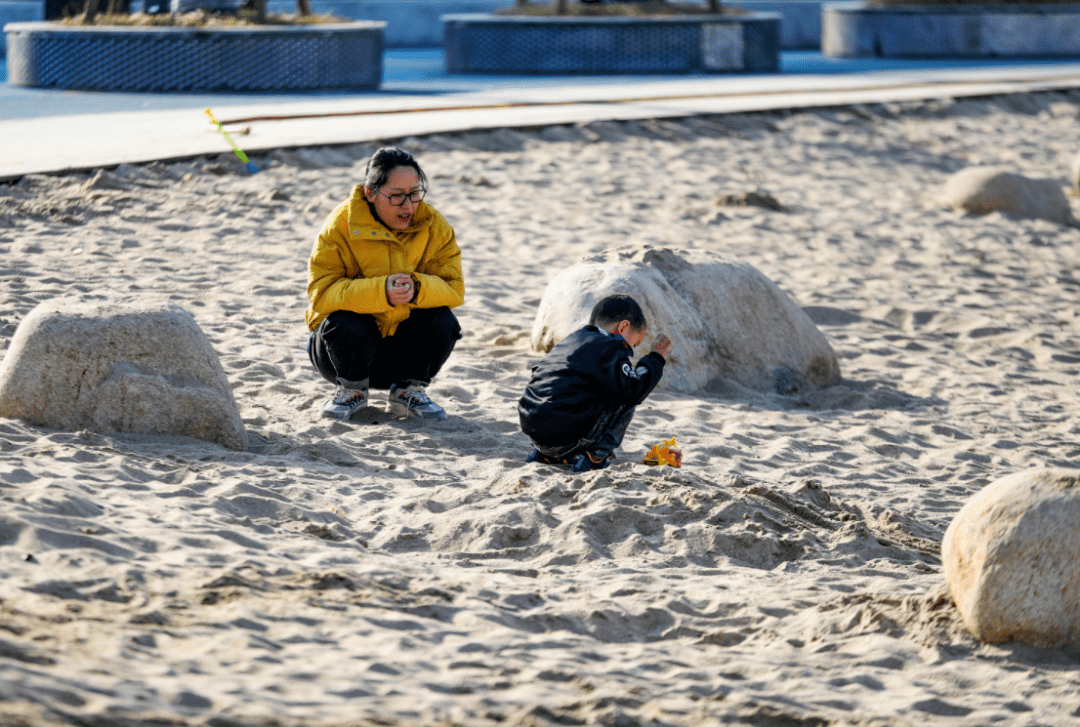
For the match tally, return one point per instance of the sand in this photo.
(387, 572)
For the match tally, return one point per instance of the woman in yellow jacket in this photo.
(383, 276)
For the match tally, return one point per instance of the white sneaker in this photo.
(413, 401)
(344, 403)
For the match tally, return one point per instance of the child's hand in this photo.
(662, 345)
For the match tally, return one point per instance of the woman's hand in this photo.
(399, 288)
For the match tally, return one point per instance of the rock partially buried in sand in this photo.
(728, 320)
(989, 189)
(1012, 559)
(102, 366)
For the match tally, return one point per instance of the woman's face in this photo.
(402, 180)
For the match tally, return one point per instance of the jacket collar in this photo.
(616, 336)
(362, 216)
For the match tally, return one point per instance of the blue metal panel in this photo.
(585, 48)
(521, 44)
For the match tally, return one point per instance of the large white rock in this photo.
(728, 321)
(78, 364)
(1012, 559)
(990, 189)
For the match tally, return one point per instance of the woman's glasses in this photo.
(399, 199)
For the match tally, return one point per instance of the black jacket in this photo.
(585, 374)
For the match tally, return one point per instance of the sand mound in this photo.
(986, 189)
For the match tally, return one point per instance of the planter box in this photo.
(265, 58)
(18, 11)
(654, 44)
(409, 23)
(955, 31)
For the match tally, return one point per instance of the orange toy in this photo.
(664, 453)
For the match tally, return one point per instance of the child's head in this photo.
(620, 314)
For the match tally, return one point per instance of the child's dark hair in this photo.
(384, 161)
(612, 310)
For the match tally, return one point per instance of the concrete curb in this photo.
(149, 136)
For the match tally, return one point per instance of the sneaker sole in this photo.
(340, 418)
(403, 412)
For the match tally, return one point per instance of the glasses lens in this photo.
(399, 199)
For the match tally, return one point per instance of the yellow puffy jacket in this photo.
(355, 253)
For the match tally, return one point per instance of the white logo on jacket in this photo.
(634, 373)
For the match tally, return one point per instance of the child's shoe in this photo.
(585, 464)
(536, 456)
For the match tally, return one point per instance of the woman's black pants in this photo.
(348, 349)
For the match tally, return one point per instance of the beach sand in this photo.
(389, 572)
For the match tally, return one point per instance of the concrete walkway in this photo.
(44, 131)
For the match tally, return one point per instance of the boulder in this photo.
(989, 189)
(78, 364)
(1012, 559)
(728, 321)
